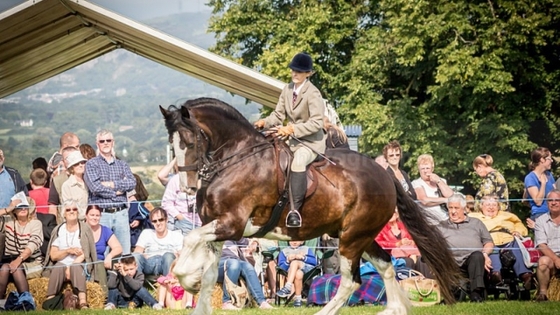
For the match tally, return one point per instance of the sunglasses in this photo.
(82, 162)
(71, 209)
(106, 140)
(158, 220)
(393, 155)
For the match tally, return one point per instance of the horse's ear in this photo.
(163, 111)
(185, 112)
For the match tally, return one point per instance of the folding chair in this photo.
(308, 276)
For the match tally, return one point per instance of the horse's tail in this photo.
(430, 242)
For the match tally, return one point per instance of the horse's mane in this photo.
(229, 112)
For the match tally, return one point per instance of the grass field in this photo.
(489, 307)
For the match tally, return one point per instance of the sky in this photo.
(137, 9)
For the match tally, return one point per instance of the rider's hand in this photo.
(259, 124)
(285, 131)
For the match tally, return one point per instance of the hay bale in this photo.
(38, 289)
(217, 296)
(553, 292)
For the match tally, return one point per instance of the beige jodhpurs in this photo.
(302, 157)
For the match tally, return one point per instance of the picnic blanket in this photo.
(323, 289)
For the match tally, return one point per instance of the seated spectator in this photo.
(38, 180)
(234, 265)
(136, 219)
(395, 239)
(432, 191)
(503, 227)
(180, 207)
(126, 287)
(41, 163)
(23, 239)
(104, 238)
(171, 294)
(470, 242)
(297, 260)
(71, 255)
(547, 229)
(470, 204)
(157, 249)
(336, 137)
(74, 188)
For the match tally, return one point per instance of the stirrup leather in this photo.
(288, 216)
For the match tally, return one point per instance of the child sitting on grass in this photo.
(171, 294)
(126, 286)
(297, 260)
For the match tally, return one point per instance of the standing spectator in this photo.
(539, 182)
(56, 163)
(39, 192)
(493, 182)
(392, 153)
(71, 255)
(108, 180)
(55, 190)
(136, 219)
(105, 240)
(87, 151)
(432, 191)
(126, 287)
(41, 163)
(470, 203)
(74, 188)
(156, 249)
(24, 237)
(165, 173)
(180, 207)
(10, 183)
(470, 242)
(547, 230)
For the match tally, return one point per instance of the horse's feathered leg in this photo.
(397, 301)
(345, 289)
(209, 278)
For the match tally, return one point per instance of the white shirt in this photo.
(436, 213)
(67, 240)
(171, 243)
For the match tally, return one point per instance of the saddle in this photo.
(284, 157)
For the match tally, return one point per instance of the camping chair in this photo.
(308, 276)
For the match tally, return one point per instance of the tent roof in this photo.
(42, 38)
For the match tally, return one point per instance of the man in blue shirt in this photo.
(108, 180)
(11, 183)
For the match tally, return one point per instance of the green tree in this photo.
(451, 78)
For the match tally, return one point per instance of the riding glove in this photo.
(285, 131)
(259, 124)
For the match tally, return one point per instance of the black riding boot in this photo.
(298, 185)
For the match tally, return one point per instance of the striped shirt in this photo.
(19, 238)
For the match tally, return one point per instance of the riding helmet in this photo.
(302, 62)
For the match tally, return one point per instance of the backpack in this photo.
(19, 302)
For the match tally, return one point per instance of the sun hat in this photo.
(74, 158)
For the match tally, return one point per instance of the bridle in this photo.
(206, 167)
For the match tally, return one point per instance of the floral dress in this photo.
(493, 183)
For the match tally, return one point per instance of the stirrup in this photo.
(288, 216)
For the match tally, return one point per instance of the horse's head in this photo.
(185, 136)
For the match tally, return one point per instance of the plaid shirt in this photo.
(98, 170)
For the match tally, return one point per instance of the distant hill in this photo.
(120, 91)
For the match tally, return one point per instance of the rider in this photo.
(302, 105)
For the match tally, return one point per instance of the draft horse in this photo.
(237, 165)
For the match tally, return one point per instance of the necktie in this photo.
(294, 97)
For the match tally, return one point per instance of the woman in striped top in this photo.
(24, 237)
